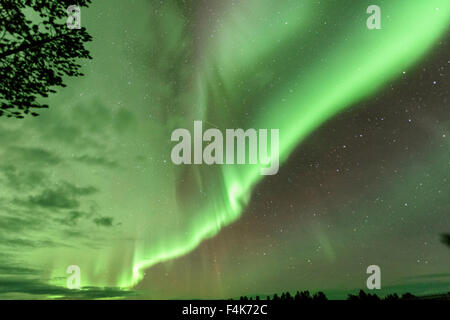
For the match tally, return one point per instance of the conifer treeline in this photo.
(320, 296)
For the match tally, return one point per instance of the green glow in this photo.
(350, 71)
(287, 65)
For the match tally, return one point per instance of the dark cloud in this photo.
(35, 155)
(35, 287)
(97, 117)
(10, 269)
(54, 199)
(123, 120)
(22, 180)
(63, 196)
(94, 116)
(70, 233)
(86, 127)
(70, 135)
(19, 242)
(65, 133)
(61, 204)
(104, 221)
(71, 218)
(18, 224)
(99, 161)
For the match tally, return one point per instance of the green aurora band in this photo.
(254, 64)
(349, 70)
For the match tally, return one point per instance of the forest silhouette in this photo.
(306, 296)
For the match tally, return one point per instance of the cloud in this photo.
(17, 224)
(45, 204)
(19, 242)
(64, 196)
(35, 155)
(86, 125)
(9, 135)
(22, 180)
(54, 199)
(104, 221)
(13, 286)
(123, 120)
(61, 203)
(12, 269)
(99, 161)
(72, 217)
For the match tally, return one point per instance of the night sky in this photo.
(364, 124)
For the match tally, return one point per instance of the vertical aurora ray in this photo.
(259, 70)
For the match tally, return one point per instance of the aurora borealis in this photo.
(363, 117)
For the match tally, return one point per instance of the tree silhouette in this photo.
(362, 296)
(306, 297)
(392, 297)
(36, 50)
(408, 296)
(320, 296)
(445, 238)
(303, 296)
